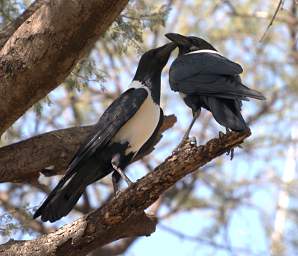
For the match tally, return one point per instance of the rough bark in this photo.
(116, 219)
(60, 242)
(43, 50)
(10, 28)
(53, 149)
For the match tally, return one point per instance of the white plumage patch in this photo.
(182, 95)
(141, 126)
(204, 51)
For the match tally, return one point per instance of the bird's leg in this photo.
(115, 179)
(115, 164)
(196, 114)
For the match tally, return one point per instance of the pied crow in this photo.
(127, 125)
(206, 79)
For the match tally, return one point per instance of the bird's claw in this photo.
(117, 193)
(193, 141)
(221, 134)
(129, 182)
(231, 153)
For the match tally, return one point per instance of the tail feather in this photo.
(251, 93)
(246, 91)
(60, 201)
(227, 113)
(68, 191)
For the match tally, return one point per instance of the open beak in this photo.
(178, 39)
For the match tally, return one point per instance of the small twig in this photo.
(272, 20)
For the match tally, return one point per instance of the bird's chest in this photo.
(140, 127)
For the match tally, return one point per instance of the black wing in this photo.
(115, 116)
(226, 112)
(209, 74)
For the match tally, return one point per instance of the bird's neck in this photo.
(153, 84)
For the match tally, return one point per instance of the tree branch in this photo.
(44, 49)
(49, 245)
(35, 154)
(114, 219)
(10, 28)
(54, 149)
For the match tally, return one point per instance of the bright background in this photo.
(247, 206)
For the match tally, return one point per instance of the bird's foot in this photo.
(231, 153)
(117, 193)
(232, 150)
(192, 141)
(221, 134)
(128, 181)
(121, 173)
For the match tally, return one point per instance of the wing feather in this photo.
(209, 74)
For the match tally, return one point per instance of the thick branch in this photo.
(10, 28)
(54, 149)
(107, 223)
(35, 154)
(137, 225)
(44, 49)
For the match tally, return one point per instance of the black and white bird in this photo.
(128, 125)
(206, 79)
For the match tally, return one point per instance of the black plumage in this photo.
(206, 79)
(115, 140)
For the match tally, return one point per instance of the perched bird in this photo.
(206, 79)
(130, 123)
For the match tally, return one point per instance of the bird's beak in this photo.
(164, 52)
(180, 40)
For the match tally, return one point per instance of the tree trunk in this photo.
(44, 49)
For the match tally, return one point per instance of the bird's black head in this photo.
(152, 62)
(188, 44)
(150, 67)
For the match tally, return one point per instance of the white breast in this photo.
(141, 126)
